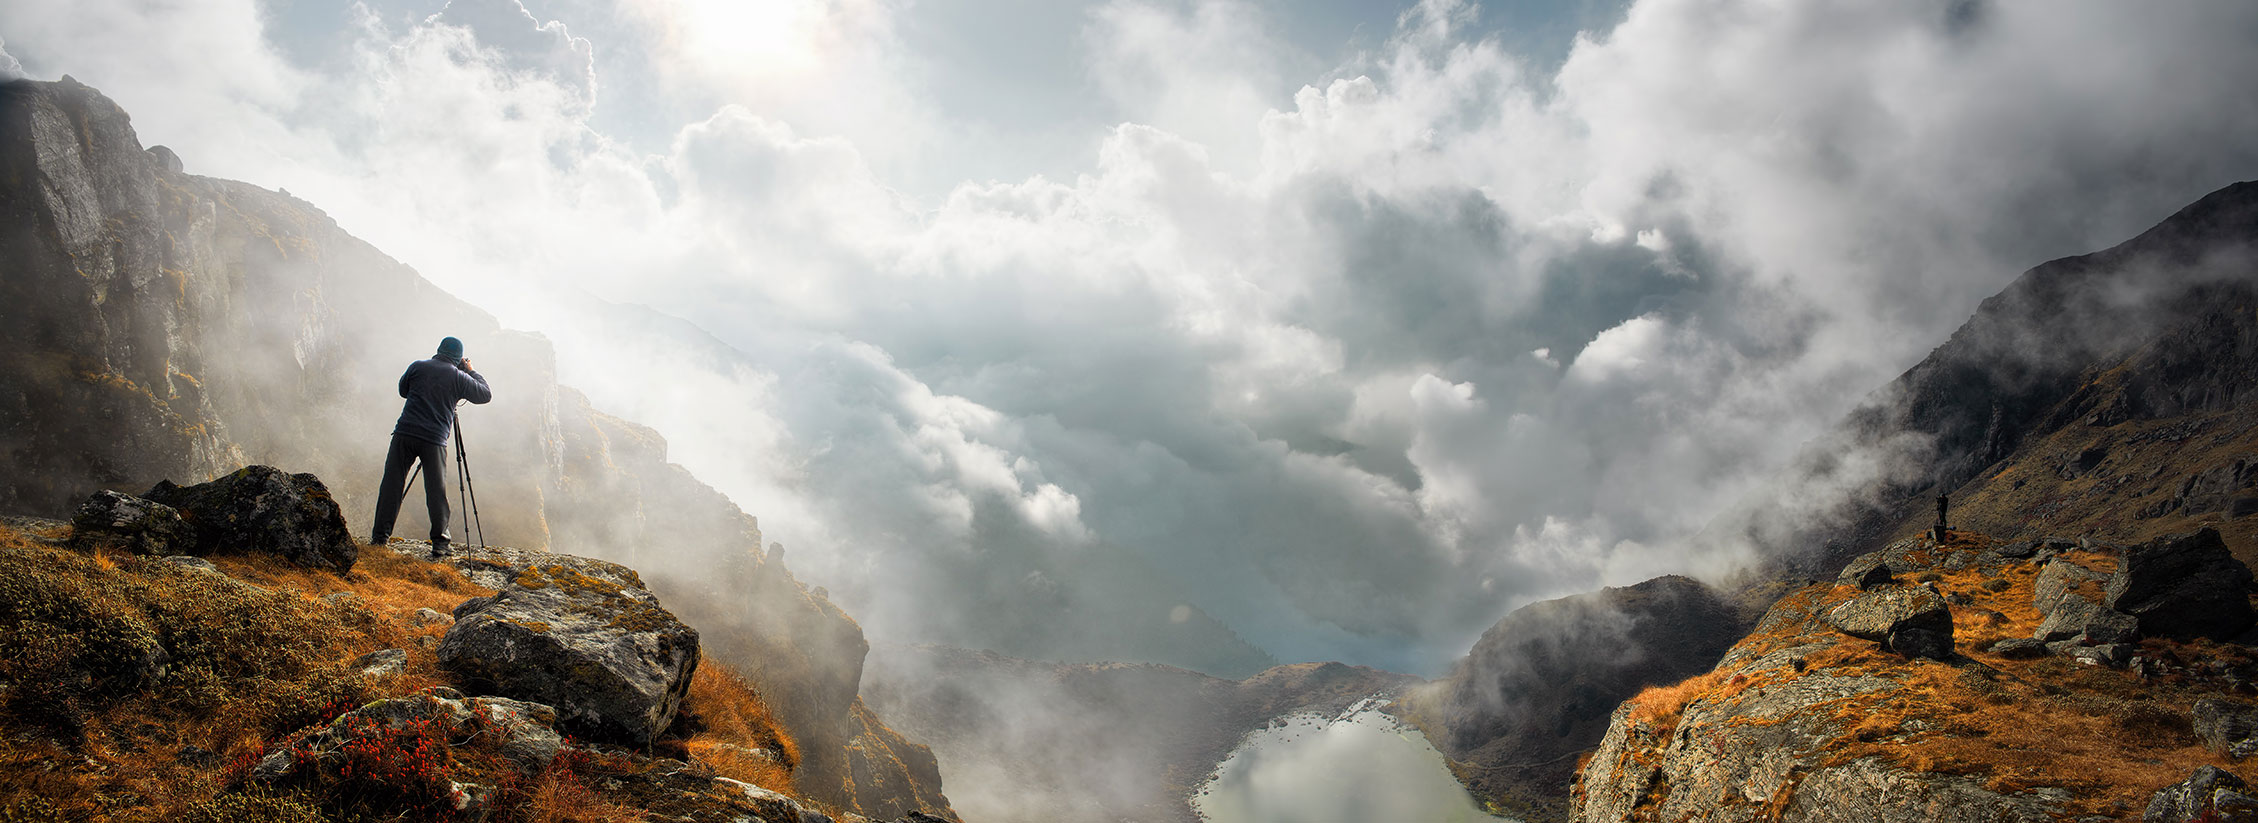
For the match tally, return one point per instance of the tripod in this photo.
(465, 490)
(462, 478)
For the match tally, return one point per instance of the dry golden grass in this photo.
(251, 665)
(737, 721)
(1660, 706)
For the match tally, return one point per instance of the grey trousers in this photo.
(405, 451)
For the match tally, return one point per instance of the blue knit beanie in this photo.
(451, 348)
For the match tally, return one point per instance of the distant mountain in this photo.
(2112, 394)
(1536, 689)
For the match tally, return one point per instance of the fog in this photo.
(1210, 332)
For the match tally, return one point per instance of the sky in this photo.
(1211, 332)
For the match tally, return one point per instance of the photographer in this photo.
(432, 388)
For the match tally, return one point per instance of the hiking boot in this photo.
(440, 548)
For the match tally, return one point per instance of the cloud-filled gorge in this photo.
(1201, 342)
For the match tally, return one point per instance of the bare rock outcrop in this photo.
(1805, 719)
(2183, 586)
(581, 635)
(109, 518)
(263, 509)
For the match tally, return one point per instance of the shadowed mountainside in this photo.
(2109, 393)
(1536, 690)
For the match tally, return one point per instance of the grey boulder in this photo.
(1911, 620)
(2226, 727)
(2183, 586)
(118, 520)
(583, 636)
(2209, 794)
(262, 509)
(2076, 618)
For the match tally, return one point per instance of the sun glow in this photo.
(746, 39)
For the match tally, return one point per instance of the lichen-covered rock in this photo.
(525, 733)
(263, 509)
(1866, 571)
(119, 520)
(581, 635)
(2076, 618)
(2200, 797)
(2059, 579)
(2183, 586)
(2226, 727)
(1911, 620)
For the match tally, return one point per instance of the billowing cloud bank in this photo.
(1343, 364)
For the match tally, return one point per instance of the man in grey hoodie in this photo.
(432, 388)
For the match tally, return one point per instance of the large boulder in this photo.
(2076, 618)
(2209, 795)
(2061, 579)
(264, 509)
(109, 518)
(1910, 620)
(2183, 586)
(581, 635)
(2226, 727)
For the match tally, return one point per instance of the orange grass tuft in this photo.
(737, 722)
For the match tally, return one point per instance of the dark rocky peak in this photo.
(2158, 328)
(1538, 686)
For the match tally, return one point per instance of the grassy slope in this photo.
(83, 736)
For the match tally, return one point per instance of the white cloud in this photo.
(1289, 358)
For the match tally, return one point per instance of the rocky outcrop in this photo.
(2210, 795)
(263, 509)
(473, 747)
(2183, 586)
(522, 731)
(1910, 620)
(1805, 719)
(2227, 727)
(581, 635)
(1539, 684)
(114, 519)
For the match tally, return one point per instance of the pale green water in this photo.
(1362, 767)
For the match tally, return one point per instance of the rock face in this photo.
(262, 509)
(122, 520)
(2184, 586)
(1539, 684)
(1910, 620)
(581, 635)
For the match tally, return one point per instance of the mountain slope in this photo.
(2085, 396)
(158, 325)
(1536, 689)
